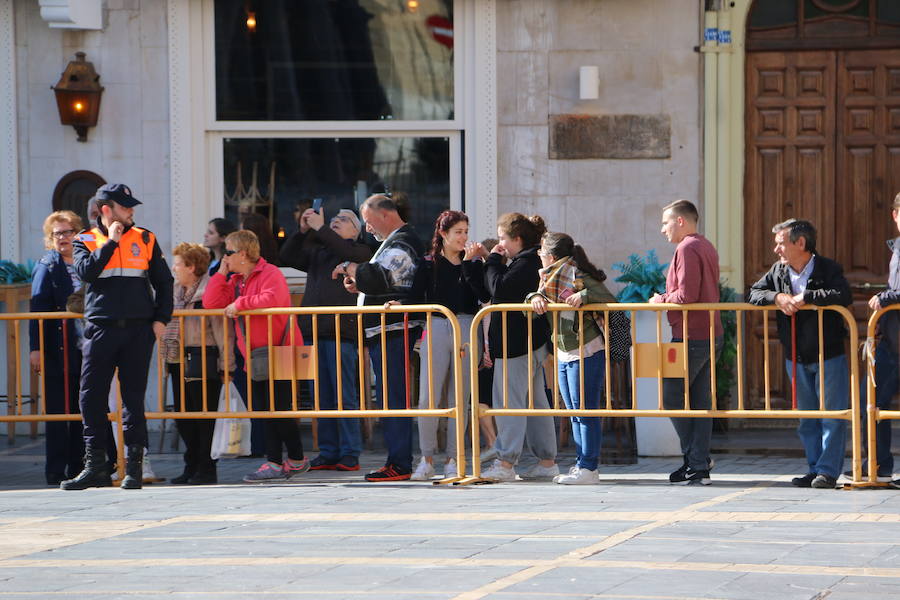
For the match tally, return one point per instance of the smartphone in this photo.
(317, 205)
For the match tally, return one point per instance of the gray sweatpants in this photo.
(512, 432)
(443, 384)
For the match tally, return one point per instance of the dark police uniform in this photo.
(120, 308)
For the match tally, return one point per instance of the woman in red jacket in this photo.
(255, 283)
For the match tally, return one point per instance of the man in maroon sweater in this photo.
(693, 277)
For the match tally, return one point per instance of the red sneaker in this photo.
(389, 473)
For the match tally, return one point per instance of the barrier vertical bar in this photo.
(582, 403)
(293, 341)
(475, 433)
(461, 408)
(739, 355)
(430, 340)
(555, 359)
(529, 358)
(712, 359)
(686, 365)
(42, 366)
(659, 360)
(339, 366)
(227, 364)
(181, 361)
(819, 315)
(384, 381)
(634, 403)
(608, 360)
(271, 364)
(361, 361)
(203, 378)
(249, 360)
(505, 360)
(768, 395)
(794, 361)
(871, 406)
(315, 354)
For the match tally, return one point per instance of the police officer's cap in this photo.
(118, 193)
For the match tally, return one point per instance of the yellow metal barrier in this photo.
(874, 414)
(297, 368)
(647, 365)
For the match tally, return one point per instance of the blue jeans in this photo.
(824, 440)
(338, 437)
(398, 431)
(586, 431)
(887, 383)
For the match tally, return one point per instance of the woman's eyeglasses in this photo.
(65, 233)
(230, 252)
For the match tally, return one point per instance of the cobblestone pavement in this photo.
(330, 535)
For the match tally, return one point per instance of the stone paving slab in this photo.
(329, 535)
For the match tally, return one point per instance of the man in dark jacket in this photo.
(317, 250)
(388, 276)
(803, 277)
(127, 305)
(887, 356)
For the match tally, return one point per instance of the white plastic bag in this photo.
(231, 437)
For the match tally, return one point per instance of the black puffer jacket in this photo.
(889, 325)
(826, 286)
(317, 253)
(511, 284)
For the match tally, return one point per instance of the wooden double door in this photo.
(823, 144)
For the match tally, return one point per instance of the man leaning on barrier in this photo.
(388, 276)
(802, 277)
(693, 277)
(887, 358)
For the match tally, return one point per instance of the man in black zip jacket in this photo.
(317, 249)
(388, 276)
(127, 303)
(803, 277)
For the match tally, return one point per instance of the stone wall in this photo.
(131, 141)
(644, 49)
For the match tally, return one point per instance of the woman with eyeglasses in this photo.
(255, 283)
(53, 281)
(317, 249)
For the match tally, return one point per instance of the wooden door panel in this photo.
(789, 173)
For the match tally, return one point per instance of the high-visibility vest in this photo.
(131, 258)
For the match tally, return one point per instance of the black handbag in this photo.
(193, 362)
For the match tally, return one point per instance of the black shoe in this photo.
(322, 464)
(185, 477)
(205, 476)
(691, 477)
(389, 473)
(134, 468)
(347, 463)
(94, 474)
(805, 481)
(678, 475)
(824, 482)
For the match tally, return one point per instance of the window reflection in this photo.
(334, 59)
(341, 171)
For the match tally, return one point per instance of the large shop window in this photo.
(291, 172)
(335, 60)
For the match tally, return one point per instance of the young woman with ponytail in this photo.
(511, 272)
(569, 277)
(446, 275)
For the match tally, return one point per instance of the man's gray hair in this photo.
(797, 228)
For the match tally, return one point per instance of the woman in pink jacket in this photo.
(255, 283)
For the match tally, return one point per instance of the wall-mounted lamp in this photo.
(251, 22)
(78, 94)
(412, 5)
(589, 83)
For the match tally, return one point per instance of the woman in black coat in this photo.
(53, 281)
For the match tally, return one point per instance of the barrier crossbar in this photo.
(423, 316)
(501, 405)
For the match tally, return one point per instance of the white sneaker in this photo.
(572, 471)
(579, 477)
(148, 474)
(424, 471)
(497, 472)
(450, 469)
(539, 472)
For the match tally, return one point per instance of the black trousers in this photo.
(280, 433)
(106, 348)
(196, 433)
(65, 444)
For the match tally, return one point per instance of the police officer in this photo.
(118, 263)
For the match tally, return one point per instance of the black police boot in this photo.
(134, 468)
(94, 474)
